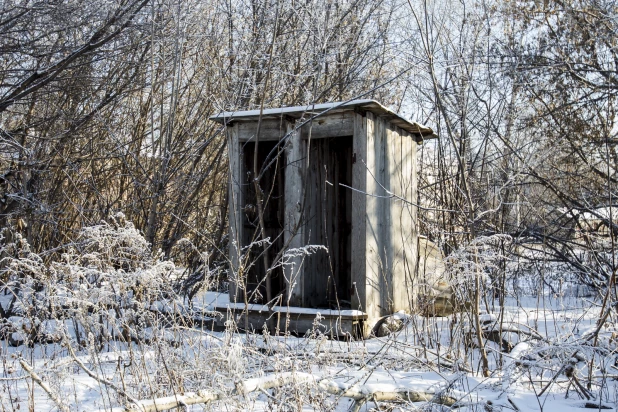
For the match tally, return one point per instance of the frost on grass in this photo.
(99, 325)
(102, 284)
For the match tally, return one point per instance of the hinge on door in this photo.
(353, 158)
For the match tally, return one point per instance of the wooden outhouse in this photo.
(337, 192)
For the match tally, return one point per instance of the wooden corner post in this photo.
(235, 212)
(293, 227)
(362, 293)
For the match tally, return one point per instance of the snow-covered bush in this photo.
(102, 313)
(107, 281)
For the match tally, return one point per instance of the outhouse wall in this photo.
(349, 183)
(384, 229)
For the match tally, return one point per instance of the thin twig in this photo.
(36, 378)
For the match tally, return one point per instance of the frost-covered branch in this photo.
(36, 378)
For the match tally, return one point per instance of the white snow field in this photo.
(430, 364)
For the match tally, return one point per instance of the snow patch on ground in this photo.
(419, 357)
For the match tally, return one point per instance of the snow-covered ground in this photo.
(433, 356)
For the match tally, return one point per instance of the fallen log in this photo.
(359, 393)
(170, 402)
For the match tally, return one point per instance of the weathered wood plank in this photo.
(385, 246)
(401, 231)
(270, 130)
(373, 261)
(359, 214)
(235, 212)
(412, 250)
(328, 109)
(335, 125)
(313, 230)
(294, 226)
(408, 210)
(336, 324)
(395, 225)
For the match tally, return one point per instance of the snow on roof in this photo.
(315, 110)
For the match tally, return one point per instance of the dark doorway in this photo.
(271, 168)
(328, 215)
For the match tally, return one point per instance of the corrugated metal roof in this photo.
(315, 110)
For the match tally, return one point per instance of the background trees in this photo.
(568, 71)
(522, 94)
(104, 108)
(63, 67)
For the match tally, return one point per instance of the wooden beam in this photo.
(331, 125)
(359, 218)
(366, 267)
(235, 213)
(270, 130)
(403, 251)
(293, 227)
(379, 263)
(412, 252)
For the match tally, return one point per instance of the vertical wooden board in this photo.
(346, 217)
(385, 242)
(312, 227)
(411, 246)
(404, 176)
(319, 285)
(400, 210)
(374, 219)
(293, 227)
(410, 216)
(363, 126)
(235, 213)
(405, 179)
(395, 228)
(414, 216)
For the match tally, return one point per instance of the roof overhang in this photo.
(313, 111)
